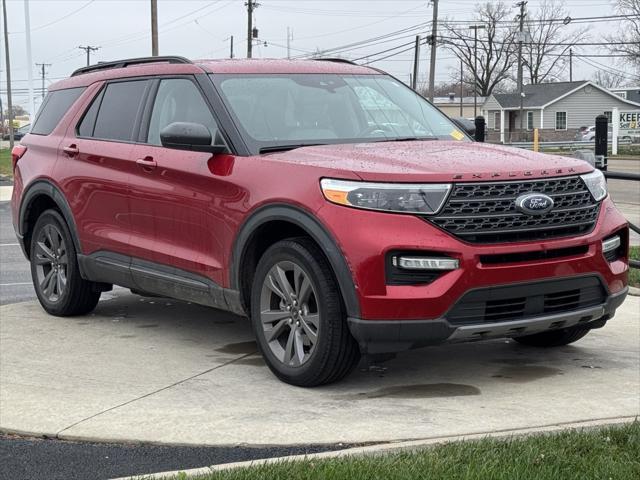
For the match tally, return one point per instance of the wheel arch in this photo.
(301, 221)
(38, 197)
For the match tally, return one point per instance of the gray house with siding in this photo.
(628, 93)
(557, 110)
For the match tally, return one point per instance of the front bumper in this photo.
(366, 237)
(385, 336)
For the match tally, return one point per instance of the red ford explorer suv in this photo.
(327, 201)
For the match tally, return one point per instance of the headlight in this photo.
(423, 198)
(596, 184)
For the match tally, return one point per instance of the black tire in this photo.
(335, 352)
(76, 296)
(554, 338)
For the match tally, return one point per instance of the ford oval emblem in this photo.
(534, 203)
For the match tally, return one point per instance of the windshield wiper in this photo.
(407, 139)
(286, 148)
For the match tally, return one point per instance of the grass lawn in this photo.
(5, 162)
(608, 453)
(634, 273)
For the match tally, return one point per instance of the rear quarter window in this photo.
(55, 105)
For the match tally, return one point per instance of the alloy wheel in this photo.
(51, 261)
(289, 313)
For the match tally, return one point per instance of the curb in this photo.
(634, 291)
(386, 448)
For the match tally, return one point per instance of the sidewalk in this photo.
(156, 370)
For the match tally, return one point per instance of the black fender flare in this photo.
(45, 187)
(312, 226)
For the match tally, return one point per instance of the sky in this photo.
(201, 29)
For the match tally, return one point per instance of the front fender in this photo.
(315, 229)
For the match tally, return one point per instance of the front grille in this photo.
(513, 302)
(486, 212)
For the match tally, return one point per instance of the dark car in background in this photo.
(18, 133)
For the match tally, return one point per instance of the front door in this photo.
(174, 193)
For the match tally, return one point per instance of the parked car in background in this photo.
(18, 133)
(327, 201)
(465, 125)
(589, 135)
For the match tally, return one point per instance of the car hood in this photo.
(434, 161)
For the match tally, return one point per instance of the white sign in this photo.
(629, 123)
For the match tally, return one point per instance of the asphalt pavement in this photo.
(15, 276)
(46, 459)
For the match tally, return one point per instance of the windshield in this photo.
(310, 109)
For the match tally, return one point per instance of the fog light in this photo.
(610, 244)
(425, 263)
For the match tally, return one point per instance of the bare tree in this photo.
(608, 79)
(626, 39)
(496, 50)
(543, 54)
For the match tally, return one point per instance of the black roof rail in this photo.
(335, 60)
(129, 61)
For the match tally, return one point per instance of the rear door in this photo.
(97, 164)
(175, 195)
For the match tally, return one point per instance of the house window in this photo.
(561, 120)
(529, 120)
(609, 116)
(496, 121)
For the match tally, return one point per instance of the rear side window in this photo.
(117, 111)
(53, 108)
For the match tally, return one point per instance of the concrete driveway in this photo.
(162, 371)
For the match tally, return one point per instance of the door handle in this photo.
(147, 163)
(72, 150)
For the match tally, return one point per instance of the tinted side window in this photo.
(179, 100)
(53, 109)
(119, 109)
(88, 122)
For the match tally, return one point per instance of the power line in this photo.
(64, 17)
(374, 40)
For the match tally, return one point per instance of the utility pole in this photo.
(27, 29)
(42, 67)
(231, 47)
(522, 4)
(461, 87)
(89, 49)
(289, 38)
(154, 28)
(475, 29)
(8, 66)
(416, 65)
(251, 6)
(432, 63)
(571, 64)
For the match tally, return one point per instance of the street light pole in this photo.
(8, 67)
(27, 29)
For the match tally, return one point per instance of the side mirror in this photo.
(189, 136)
